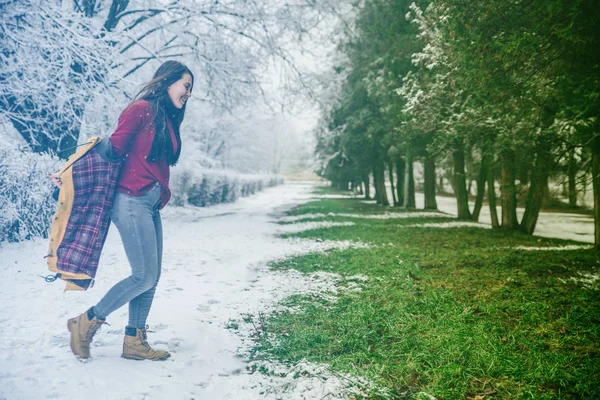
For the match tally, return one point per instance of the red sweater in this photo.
(133, 138)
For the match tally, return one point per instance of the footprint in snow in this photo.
(172, 345)
(59, 340)
(159, 327)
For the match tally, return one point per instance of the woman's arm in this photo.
(130, 124)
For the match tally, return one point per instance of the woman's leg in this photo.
(140, 306)
(134, 218)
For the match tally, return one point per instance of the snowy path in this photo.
(213, 273)
(550, 224)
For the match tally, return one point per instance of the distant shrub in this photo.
(27, 206)
(206, 187)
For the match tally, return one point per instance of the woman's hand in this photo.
(57, 181)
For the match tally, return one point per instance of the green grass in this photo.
(450, 312)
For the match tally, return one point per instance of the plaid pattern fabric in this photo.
(94, 182)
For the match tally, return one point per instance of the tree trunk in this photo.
(572, 188)
(376, 186)
(440, 185)
(481, 186)
(409, 183)
(596, 185)
(539, 185)
(540, 170)
(523, 168)
(491, 182)
(509, 192)
(429, 184)
(453, 184)
(491, 185)
(367, 182)
(379, 178)
(400, 172)
(391, 172)
(462, 196)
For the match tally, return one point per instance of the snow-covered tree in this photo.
(57, 57)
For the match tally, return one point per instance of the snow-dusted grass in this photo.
(305, 226)
(550, 224)
(446, 225)
(445, 313)
(336, 196)
(554, 248)
(387, 215)
(590, 280)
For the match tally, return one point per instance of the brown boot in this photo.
(82, 331)
(137, 348)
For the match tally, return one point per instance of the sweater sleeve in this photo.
(130, 124)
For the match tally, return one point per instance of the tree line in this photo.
(502, 94)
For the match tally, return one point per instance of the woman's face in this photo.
(181, 90)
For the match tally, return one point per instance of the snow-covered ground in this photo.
(552, 225)
(214, 276)
(214, 280)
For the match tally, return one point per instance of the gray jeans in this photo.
(138, 222)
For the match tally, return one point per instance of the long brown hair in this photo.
(156, 93)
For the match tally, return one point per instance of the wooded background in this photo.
(504, 95)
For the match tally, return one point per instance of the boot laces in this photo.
(144, 337)
(94, 326)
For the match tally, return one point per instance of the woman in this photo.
(148, 137)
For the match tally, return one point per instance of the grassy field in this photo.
(453, 313)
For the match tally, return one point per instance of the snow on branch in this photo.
(56, 61)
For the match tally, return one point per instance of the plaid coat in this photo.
(82, 218)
